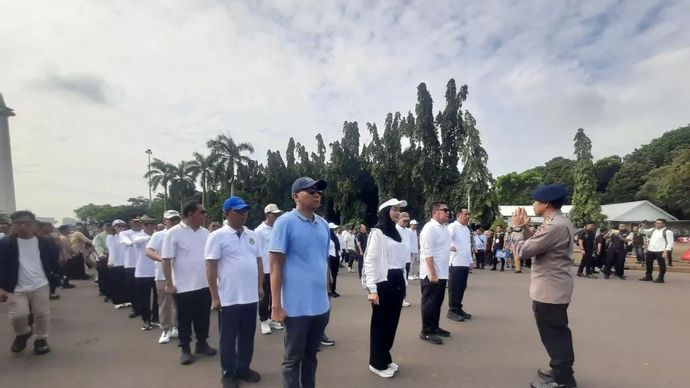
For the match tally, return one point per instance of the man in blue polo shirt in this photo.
(299, 281)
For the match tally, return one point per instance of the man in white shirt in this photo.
(480, 248)
(349, 248)
(117, 282)
(460, 261)
(433, 272)
(401, 226)
(185, 278)
(659, 248)
(28, 264)
(145, 274)
(414, 251)
(264, 233)
(167, 312)
(234, 269)
(130, 253)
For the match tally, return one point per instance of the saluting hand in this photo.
(520, 218)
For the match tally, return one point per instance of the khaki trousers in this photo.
(37, 303)
(518, 263)
(167, 312)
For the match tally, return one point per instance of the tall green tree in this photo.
(605, 169)
(516, 188)
(204, 169)
(668, 185)
(343, 175)
(586, 206)
(230, 154)
(182, 183)
(426, 169)
(161, 174)
(452, 137)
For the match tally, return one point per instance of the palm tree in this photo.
(161, 174)
(204, 168)
(230, 155)
(182, 179)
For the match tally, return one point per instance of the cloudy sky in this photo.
(94, 84)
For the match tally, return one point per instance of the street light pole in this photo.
(149, 152)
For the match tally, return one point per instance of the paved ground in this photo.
(627, 334)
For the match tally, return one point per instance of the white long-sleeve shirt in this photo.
(116, 251)
(657, 242)
(460, 236)
(435, 242)
(383, 253)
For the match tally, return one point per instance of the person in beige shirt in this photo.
(551, 286)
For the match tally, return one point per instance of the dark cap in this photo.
(305, 182)
(555, 192)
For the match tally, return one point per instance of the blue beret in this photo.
(550, 193)
(235, 203)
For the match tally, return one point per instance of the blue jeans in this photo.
(301, 339)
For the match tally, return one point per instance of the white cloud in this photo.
(95, 84)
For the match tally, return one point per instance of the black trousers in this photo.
(102, 269)
(407, 270)
(265, 302)
(586, 264)
(479, 255)
(651, 256)
(552, 322)
(237, 325)
(615, 258)
(432, 300)
(301, 339)
(147, 308)
(193, 309)
(131, 290)
(494, 262)
(457, 284)
(334, 265)
(670, 258)
(117, 284)
(351, 256)
(360, 264)
(384, 319)
(74, 267)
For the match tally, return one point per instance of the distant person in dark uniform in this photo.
(551, 286)
(585, 239)
(638, 244)
(600, 245)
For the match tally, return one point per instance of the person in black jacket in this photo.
(28, 265)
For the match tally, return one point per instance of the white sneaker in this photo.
(165, 338)
(411, 277)
(405, 303)
(174, 333)
(275, 325)
(386, 373)
(393, 366)
(265, 327)
(120, 306)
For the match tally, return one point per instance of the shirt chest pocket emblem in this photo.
(251, 241)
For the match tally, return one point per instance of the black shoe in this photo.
(147, 326)
(502, 269)
(335, 294)
(68, 286)
(19, 343)
(442, 333)
(606, 276)
(465, 315)
(205, 349)
(580, 275)
(455, 317)
(493, 269)
(229, 382)
(186, 358)
(325, 341)
(551, 384)
(41, 346)
(133, 315)
(434, 339)
(249, 376)
(54, 296)
(621, 277)
(646, 279)
(545, 374)
(659, 280)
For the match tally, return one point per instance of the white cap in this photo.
(332, 225)
(119, 222)
(171, 214)
(393, 202)
(414, 222)
(272, 208)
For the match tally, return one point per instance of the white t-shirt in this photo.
(184, 246)
(405, 236)
(435, 242)
(129, 250)
(264, 233)
(156, 243)
(116, 251)
(460, 236)
(349, 240)
(146, 268)
(30, 276)
(238, 269)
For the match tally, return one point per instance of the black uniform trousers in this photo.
(432, 300)
(615, 258)
(479, 255)
(334, 265)
(265, 302)
(586, 264)
(384, 319)
(117, 284)
(457, 284)
(193, 309)
(651, 256)
(131, 288)
(148, 309)
(102, 269)
(552, 322)
(237, 325)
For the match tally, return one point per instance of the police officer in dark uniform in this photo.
(551, 286)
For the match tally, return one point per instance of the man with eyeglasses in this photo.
(433, 271)
(299, 281)
(185, 278)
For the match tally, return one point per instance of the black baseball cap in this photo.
(305, 182)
